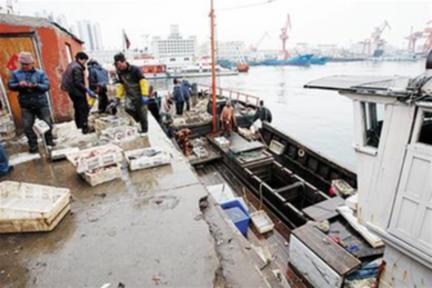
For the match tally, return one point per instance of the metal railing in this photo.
(231, 94)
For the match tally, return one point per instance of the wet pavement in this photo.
(145, 230)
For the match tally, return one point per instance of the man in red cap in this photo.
(32, 85)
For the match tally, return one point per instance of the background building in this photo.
(90, 33)
(174, 46)
(226, 50)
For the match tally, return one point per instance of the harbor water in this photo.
(321, 120)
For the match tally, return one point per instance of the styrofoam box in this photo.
(262, 221)
(26, 207)
(147, 158)
(103, 175)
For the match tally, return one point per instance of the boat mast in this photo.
(213, 64)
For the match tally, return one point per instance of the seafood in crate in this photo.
(147, 158)
(96, 157)
(105, 122)
(119, 135)
(102, 174)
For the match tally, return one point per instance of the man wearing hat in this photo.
(32, 85)
(133, 85)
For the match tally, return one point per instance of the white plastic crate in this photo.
(262, 221)
(103, 123)
(26, 207)
(96, 157)
(276, 147)
(147, 158)
(102, 175)
(222, 142)
(119, 134)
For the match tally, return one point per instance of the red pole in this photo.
(213, 63)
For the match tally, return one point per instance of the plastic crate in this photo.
(95, 157)
(26, 207)
(262, 221)
(102, 175)
(238, 215)
(147, 158)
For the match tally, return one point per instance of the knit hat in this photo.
(25, 58)
(119, 57)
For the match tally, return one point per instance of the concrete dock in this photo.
(145, 230)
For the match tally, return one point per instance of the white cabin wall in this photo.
(403, 271)
(385, 176)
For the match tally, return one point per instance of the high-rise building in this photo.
(91, 34)
(175, 45)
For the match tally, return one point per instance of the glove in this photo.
(145, 100)
(91, 93)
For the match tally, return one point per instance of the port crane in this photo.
(366, 50)
(376, 36)
(284, 36)
(259, 42)
(428, 34)
(412, 39)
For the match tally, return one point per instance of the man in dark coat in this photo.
(133, 85)
(73, 82)
(178, 97)
(32, 85)
(263, 113)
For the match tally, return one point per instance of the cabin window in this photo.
(373, 116)
(425, 135)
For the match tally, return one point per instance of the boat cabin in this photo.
(393, 146)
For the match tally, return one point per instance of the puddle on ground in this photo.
(159, 202)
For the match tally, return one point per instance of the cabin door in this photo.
(11, 45)
(411, 220)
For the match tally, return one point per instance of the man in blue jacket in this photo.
(32, 85)
(178, 96)
(186, 89)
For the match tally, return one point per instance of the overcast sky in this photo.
(315, 22)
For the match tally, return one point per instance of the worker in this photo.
(185, 85)
(32, 85)
(263, 113)
(73, 82)
(5, 168)
(153, 104)
(98, 82)
(194, 94)
(165, 114)
(178, 97)
(133, 85)
(227, 119)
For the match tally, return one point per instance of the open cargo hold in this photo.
(147, 158)
(285, 193)
(26, 207)
(318, 170)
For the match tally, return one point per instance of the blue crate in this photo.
(238, 215)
